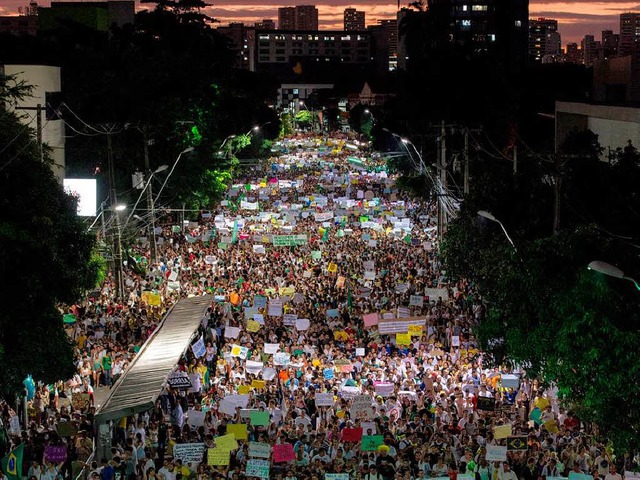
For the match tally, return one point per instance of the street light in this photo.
(161, 168)
(610, 270)
(120, 208)
(186, 150)
(489, 216)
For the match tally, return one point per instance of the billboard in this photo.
(86, 191)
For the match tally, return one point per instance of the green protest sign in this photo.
(289, 240)
(370, 443)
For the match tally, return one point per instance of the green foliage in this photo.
(98, 264)
(304, 118)
(286, 125)
(13, 89)
(45, 257)
(545, 310)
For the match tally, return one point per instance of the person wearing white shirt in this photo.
(506, 473)
(613, 474)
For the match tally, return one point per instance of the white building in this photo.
(45, 81)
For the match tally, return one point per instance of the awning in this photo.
(138, 389)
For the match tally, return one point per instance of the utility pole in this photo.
(442, 172)
(38, 110)
(117, 238)
(466, 161)
(515, 159)
(152, 225)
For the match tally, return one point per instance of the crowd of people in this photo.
(330, 314)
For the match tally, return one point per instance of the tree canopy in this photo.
(546, 312)
(45, 257)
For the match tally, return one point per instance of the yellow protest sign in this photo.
(287, 290)
(258, 384)
(502, 431)
(316, 362)
(551, 426)
(253, 326)
(244, 389)
(403, 339)
(217, 457)
(152, 299)
(239, 430)
(332, 268)
(415, 330)
(226, 442)
(263, 184)
(340, 335)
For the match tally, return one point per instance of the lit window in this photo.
(479, 8)
(518, 23)
(465, 8)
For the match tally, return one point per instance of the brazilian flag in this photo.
(12, 463)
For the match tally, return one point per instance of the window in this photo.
(465, 8)
(518, 23)
(296, 91)
(479, 8)
(263, 37)
(345, 38)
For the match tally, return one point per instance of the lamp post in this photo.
(611, 271)
(152, 226)
(186, 150)
(489, 216)
(117, 257)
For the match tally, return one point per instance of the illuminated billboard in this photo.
(86, 191)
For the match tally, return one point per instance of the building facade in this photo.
(100, 16)
(354, 20)
(544, 38)
(300, 17)
(629, 33)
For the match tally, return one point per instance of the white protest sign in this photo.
(259, 450)
(188, 452)
(384, 389)
(231, 332)
(302, 324)
(361, 406)
(324, 399)
(281, 358)
(360, 352)
(416, 300)
(435, 293)
(195, 418)
(289, 319)
(252, 367)
(269, 373)
(275, 308)
(496, 453)
(271, 348)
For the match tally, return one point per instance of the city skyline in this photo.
(576, 18)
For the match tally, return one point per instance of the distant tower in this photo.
(354, 19)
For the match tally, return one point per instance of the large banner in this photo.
(289, 240)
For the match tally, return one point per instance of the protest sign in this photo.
(361, 406)
(384, 389)
(281, 358)
(178, 380)
(188, 452)
(455, 341)
(238, 351)
(502, 431)
(517, 444)
(257, 468)
(403, 338)
(579, 476)
(496, 453)
(226, 442)
(275, 308)
(289, 319)
(370, 319)
(336, 476)
(217, 457)
(370, 443)
(435, 293)
(328, 373)
(259, 450)
(198, 348)
(55, 453)
(415, 330)
(258, 384)
(324, 399)
(253, 326)
(488, 404)
(259, 419)
(509, 380)
(416, 300)
(303, 324)
(271, 348)
(239, 430)
(351, 434)
(195, 418)
(283, 453)
(231, 332)
(253, 367)
(399, 325)
(360, 352)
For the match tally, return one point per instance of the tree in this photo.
(545, 310)
(304, 118)
(45, 257)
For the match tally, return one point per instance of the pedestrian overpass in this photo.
(145, 379)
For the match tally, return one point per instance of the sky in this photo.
(576, 18)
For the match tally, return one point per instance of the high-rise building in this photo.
(590, 49)
(544, 38)
(610, 43)
(495, 28)
(266, 24)
(353, 19)
(98, 15)
(242, 43)
(287, 18)
(300, 17)
(572, 53)
(629, 33)
(306, 17)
